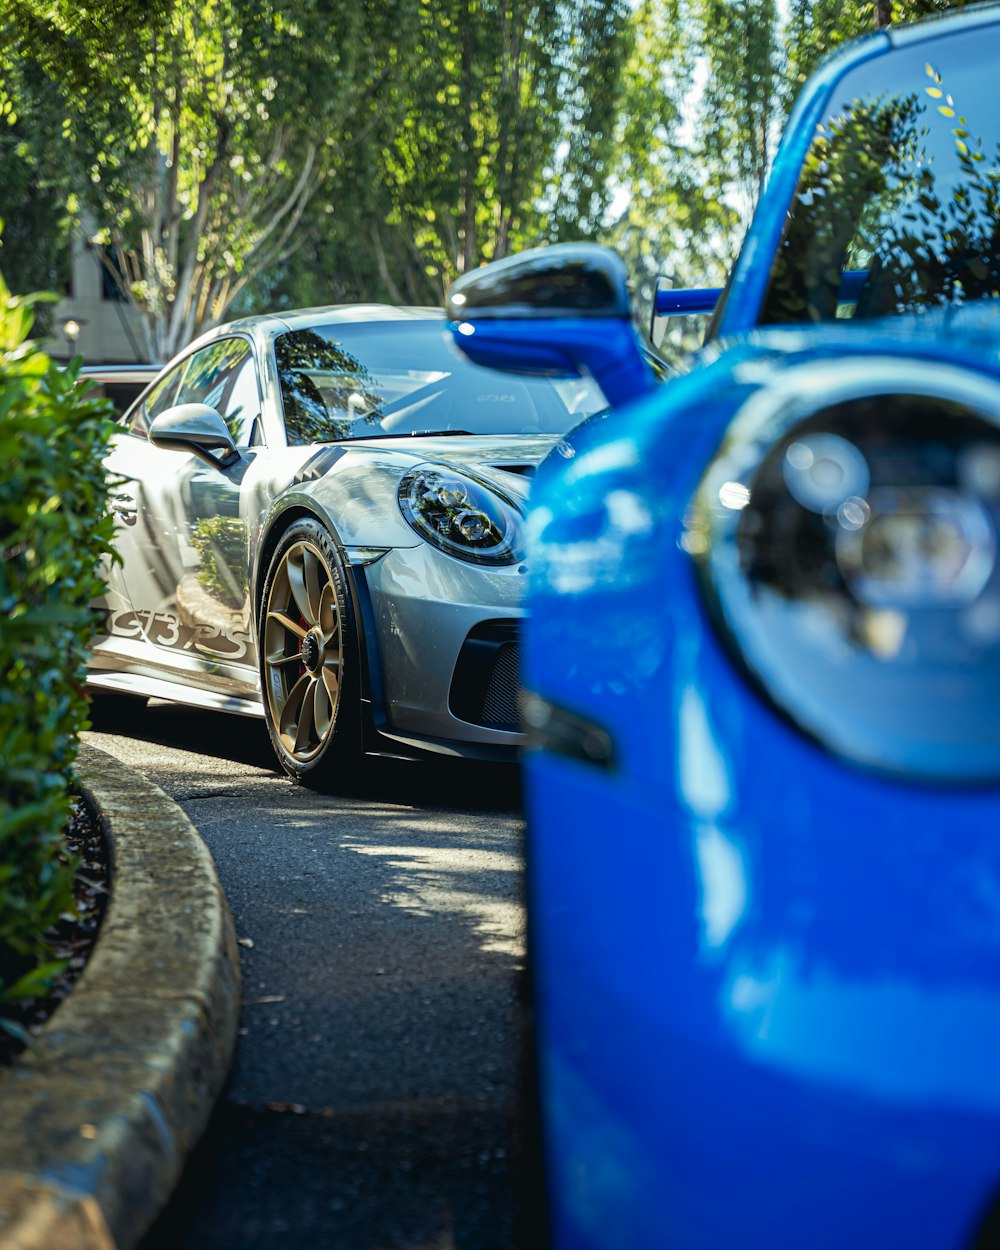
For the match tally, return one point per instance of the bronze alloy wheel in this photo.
(303, 635)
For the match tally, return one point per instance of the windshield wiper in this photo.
(408, 434)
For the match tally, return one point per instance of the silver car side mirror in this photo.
(195, 428)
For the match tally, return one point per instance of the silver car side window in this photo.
(223, 376)
(242, 403)
(158, 400)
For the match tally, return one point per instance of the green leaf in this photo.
(35, 983)
(16, 1031)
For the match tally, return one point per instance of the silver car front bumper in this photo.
(424, 606)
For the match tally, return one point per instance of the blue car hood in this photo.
(968, 335)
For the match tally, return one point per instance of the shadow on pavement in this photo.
(436, 780)
(373, 1104)
(430, 1178)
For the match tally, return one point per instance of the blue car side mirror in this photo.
(562, 310)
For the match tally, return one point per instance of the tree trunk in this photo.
(883, 13)
(469, 144)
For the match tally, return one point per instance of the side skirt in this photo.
(153, 688)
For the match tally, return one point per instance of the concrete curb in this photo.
(97, 1118)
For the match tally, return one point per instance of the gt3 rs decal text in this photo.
(165, 629)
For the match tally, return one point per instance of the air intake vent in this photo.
(500, 700)
(525, 470)
(484, 689)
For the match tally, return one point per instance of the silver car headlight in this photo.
(846, 534)
(461, 515)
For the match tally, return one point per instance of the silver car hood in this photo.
(353, 484)
(502, 457)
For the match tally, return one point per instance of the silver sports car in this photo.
(319, 521)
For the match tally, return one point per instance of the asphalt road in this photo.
(373, 1101)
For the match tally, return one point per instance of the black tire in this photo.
(309, 660)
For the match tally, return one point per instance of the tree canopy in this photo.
(194, 142)
(496, 134)
(250, 153)
(708, 88)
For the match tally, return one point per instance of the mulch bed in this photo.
(73, 938)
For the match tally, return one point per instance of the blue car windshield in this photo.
(901, 184)
(354, 380)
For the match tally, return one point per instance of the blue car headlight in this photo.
(846, 534)
(461, 515)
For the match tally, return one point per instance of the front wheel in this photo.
(309, 658)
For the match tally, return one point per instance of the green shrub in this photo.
(54, 531)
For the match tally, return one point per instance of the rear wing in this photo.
(671, 303)
(684, 303)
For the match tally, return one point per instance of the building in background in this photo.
(95, 318)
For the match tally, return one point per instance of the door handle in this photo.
(124, 506)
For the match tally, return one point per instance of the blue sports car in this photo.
(763, 679)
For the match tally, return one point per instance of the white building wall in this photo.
(110, 330)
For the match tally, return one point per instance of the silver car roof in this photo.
(266, 324)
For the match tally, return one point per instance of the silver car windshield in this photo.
(350, 381)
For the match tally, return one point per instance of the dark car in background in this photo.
(121, 384)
